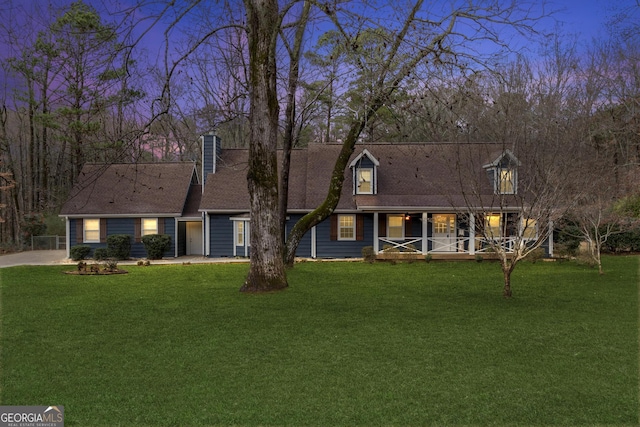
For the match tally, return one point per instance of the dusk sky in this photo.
(589, 17)
(584, 18)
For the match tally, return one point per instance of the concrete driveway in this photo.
(33, 258)
(60, 257)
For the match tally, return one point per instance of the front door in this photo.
(194, 238)
(444, 232)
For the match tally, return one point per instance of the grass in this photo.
(347, 344)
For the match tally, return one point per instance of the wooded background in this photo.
(97, 83)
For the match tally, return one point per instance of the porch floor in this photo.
(452, 256)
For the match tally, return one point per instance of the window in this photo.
(506, 181)
(395, 226)
(149, 226)
(91, 230)
(346, 227)
(242, 233)
(239, 233)
(529, 228)
(365, 182)
(493, 225)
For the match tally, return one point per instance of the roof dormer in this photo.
(503, 173)
(365, 173)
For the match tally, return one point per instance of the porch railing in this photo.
(506, 243)
(457, 245)
(402, 245)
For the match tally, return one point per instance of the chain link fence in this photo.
(39, 243)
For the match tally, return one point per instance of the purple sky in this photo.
(589, 17)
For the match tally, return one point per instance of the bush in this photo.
(100, 254)
(156, 245)
(119, 246)
(536, 255)
(110, 265)
(79, 252)
(428, 258)
(368, 254)
(627, 241)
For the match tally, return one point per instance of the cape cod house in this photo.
(406, 197)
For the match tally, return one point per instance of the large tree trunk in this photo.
(267, 271)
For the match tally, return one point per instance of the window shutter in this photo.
(137, 229)
(382, 225)
(103, 230)
(408, 232)
(359, 227)
(333, 234)
(79, 230)
(160, 225)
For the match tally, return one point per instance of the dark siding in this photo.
(170, 229)
(304, 248)
(221, 236)
(211, 150)
(182, 238)
(327, 248)
(124, 226)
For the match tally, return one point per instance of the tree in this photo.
(6, 183)
(512, 193)
(386, 46)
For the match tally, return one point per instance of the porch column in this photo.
(472, 234)
(67, 236)
(313, 242)
(550, 238)
(207, 234)
(376, 241)
(175, 237)
(425, 234)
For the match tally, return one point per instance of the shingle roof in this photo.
(409, 175)
(130, 189)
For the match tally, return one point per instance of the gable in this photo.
(130, 189)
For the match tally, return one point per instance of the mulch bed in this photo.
(96, 273)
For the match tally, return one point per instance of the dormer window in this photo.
(506, 182)
(365, 173)
(364, 181)
(503, 172)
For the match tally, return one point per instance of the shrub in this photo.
(479, 258)
(110, 265)
(79, 252)
(100, 254)
(428, 258)
(119, 246)
(392, 254)
(156, 245)
(536, 255)
(368, 254)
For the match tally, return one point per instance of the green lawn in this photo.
(347, 344)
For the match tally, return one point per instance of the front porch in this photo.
(441, 235)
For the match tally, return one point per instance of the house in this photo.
(136, 199)
(427, 198)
